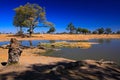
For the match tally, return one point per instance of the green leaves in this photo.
(71, 28)
(100, 30)
(51, 30)
(108, 30)
(29, 16)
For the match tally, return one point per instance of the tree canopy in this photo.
(108, 30)
(78, 30)
(30, 16)
(100, 30)
(71, 28)
(51, 30)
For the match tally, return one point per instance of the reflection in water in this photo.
(20, 43)
(30, 43)
(108, 40)
(52, 41)
(101, 41)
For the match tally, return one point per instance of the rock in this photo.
(14, 51)
(41, 47)
(58, 68)
(5, 46)
(53, 46)
(25, 47)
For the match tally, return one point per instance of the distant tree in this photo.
(94, 32)
(118, 32)
(108, 30)
(71, 28)
(78, 30)
(30, 16)
(51, 30)
(100, 30)
(113, 32)
(89, 32)
(63, 33)
(84, 31)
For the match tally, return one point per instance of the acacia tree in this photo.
(19, 19)
(71, 28)
(30, 16)
(100, 30)
(78, 30)
(108, 30)
(94, 32)
(118, 32)
(84, 31)
(51, 30)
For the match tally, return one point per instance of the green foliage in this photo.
(71, 28)
(84, 31)
(51, 30)
(94, 32)
(100, 30)
(67, 44)
(118, 32)
(108, 30)
(78, 30)
(29, 16)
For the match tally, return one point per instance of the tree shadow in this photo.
(65, 71)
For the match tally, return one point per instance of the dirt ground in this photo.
(27, 60)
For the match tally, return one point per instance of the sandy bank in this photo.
(27, 58)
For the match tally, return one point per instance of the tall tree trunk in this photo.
(20, 32)
(21, 29)
(31, 31)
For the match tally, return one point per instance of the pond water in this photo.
(107, 49)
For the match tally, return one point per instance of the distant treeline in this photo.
(79, 30)
(31, 16)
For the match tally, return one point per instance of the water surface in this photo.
(107, 49)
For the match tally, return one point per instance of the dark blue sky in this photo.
(90, 14)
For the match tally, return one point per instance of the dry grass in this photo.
(68, 44)
(7, 37)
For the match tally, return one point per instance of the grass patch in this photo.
(67, 44)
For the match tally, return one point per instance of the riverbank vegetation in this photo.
(67, 44)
